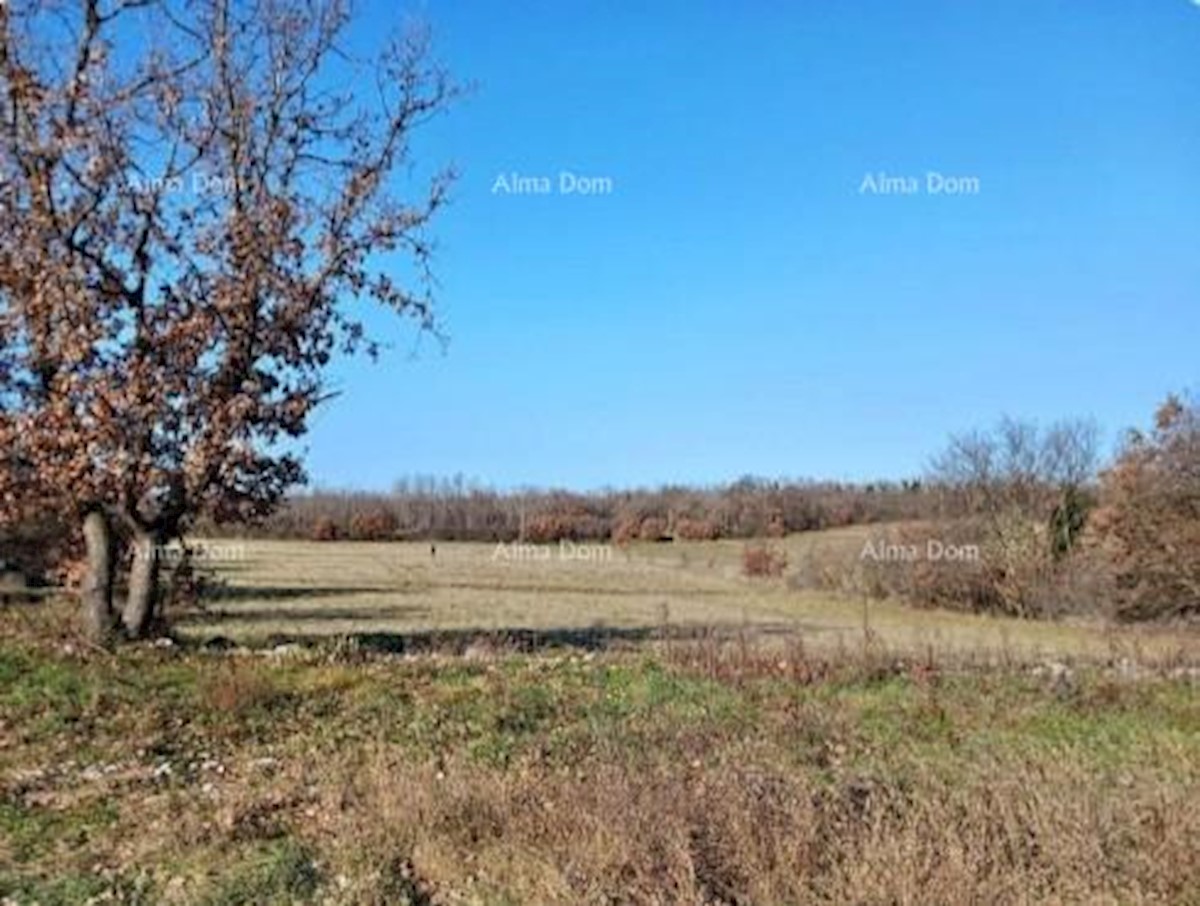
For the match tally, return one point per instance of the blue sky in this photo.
(739, 303)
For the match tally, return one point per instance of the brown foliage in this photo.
(546, 528)
(691, 529)
(325, 529)
(376, 525)
(1151, 518)
(963, 583)
(238, 689)
(627, 529)
(653, 528)
(763, 560)
(186, 225)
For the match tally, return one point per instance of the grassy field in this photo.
(678, 772)
(283, 590)
(417, 749)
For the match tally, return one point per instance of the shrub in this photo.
(283, 872)
(324, 529)
(693, 529)
(961, 583)
(1151, 519)
(547, 528)
(627, 529)
(763, 560)
(373, 525)
(571, 523)
(238, 690)
(1021, 497)
(654, 528)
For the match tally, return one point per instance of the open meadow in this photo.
(394, 594)
(373, 723)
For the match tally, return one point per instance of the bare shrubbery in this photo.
(1023, 528)
(564, 525)
(654, 528)
(631, 527)
(374, 525)
(454, 510)
(688, 528)
(324, 529)
(926, 579)
(627, 529)
(1009, 532)
(763, 561)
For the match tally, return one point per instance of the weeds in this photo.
(283, 872)
(707, 770)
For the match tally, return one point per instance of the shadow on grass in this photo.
(223, 567)
(220, 594)
(514, 639)
(565, 589)
(302, 614)
(460, 641)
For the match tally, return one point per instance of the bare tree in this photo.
(196, 198)
(1021, 493)
(1017, 467)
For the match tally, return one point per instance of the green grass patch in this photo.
(282, 872)
(33, 832)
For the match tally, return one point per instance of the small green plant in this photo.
(284, 872)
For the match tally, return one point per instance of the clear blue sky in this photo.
(739, 303)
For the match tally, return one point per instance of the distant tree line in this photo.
(1053, 529)
(457, 510)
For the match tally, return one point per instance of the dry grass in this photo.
(695, 772)
(289, 589)
(753, 832)
(663, 731)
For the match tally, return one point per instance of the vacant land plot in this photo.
(650, 727)
(689, 772)
(272, 590)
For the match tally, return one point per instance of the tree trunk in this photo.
(140, 607)
(98, 617)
